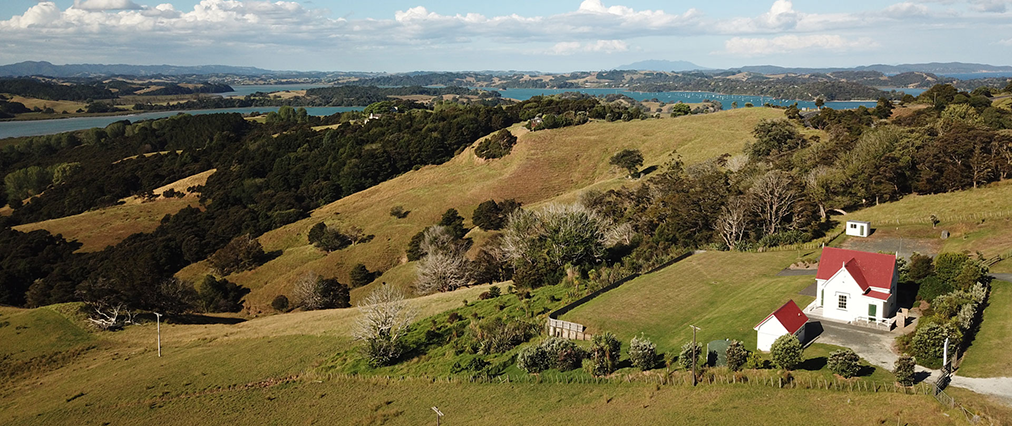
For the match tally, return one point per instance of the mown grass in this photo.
(723, 293)
(353, 401)
(97, 229)
(547, 165)
(989, 354)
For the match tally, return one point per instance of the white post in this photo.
(945, 353)
(158, 323)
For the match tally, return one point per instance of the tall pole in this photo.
(158, 324)
(695, 358)
(945, 355)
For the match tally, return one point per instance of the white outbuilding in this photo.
(787, 320)
(857, 228)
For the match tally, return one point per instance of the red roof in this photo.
(789, 315)
(868, 269)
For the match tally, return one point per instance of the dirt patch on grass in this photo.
(888, 241)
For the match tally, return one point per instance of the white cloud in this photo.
(600, 46)
(906, 10)
(794, 43)
(106, 5)
(1006, 42)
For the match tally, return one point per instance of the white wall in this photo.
(768, 333)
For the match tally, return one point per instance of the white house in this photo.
(858, 228)
(787, 320)
(856, 286)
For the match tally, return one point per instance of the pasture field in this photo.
(551, 165)
(97, 229)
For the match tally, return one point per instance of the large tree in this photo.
(773, 198)
(629, 159)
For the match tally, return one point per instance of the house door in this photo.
(872, 310)
(862, 231)
(822, 298)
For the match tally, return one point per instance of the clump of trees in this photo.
(327, 239)
(445, 266)
(540, 243)
(220, 295)
(492, 216)
(313, 292)
(553, 352)
(241, 254)
(498, 145)
(689, 355)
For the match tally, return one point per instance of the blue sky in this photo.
(555, 36)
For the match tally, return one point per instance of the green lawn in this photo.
(724, 293)
(989, 354)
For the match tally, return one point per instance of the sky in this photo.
(526, 35)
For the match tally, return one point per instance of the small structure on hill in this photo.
(857, 228)
(856, 287)
(788, 319)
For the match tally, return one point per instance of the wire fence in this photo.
(998, 214)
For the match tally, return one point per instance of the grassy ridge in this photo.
(547, 165)
(724, 293)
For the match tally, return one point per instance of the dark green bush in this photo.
(498, 145)
(280, 303)
(844, 362)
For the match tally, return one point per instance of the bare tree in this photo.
(305, 293)
(773, 199)
(443, 271)
(386, 318)
(108, 318)
(733, 220)
(438, 239)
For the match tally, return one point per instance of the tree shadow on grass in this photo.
(865, 371)
(813, 364)
(196, 319)
(648, 170)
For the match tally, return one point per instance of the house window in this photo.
(853, 226)
(842, 302)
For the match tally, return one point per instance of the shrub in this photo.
(787, 352)
(494, 292)
(642, 353)
(628, 159)
(360, 275)
(604, 354)
(496, 146)
(533, 359)
(687, 358)
(495, 335)
(737, 355)
(756, 362)
(929, 339)
(414, 250)
(280, 303)
(398, 212)
(904, 370)
(844, 362)
(932, 287)
(484, 295)
(327, 239)
(563, 354)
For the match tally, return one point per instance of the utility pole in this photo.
(439, 414)
(158, 324)
(695, 358)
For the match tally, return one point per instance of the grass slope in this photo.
(723, 293)
(989, 354)
(546, 165)
(990, 236)
(97, 229)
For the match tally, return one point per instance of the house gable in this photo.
(870, 270)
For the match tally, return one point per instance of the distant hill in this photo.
(933, 67)
(31, 68)
(662, 65)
